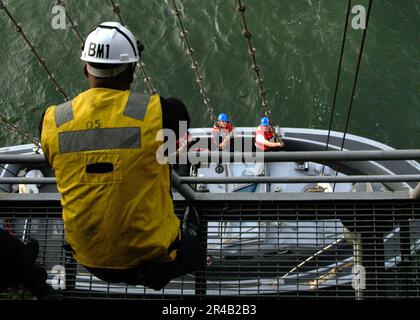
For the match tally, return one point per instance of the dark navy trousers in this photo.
(190, 257)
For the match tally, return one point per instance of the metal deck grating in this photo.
(261, 250)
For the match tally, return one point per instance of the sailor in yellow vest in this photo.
(118, 211)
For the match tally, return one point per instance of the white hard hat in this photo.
(110, 43)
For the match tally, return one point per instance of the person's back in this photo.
(104, 160)
(117, 207)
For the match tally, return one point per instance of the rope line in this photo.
(73, 24)
(252, 51)
(355, 79)
(32, 48)
(6, 122)
(117, 11)
(337, 82)
(146, 78)
(183, 34)
(328, 246)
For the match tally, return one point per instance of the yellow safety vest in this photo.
(117, 207)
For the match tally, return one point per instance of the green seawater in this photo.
(298, 44)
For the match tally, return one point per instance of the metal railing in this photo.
(207, 156)
(181, 183)
(263, 249)
(274, 246)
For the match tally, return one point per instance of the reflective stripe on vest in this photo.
(99, 139)
(63, 113)
(137, 106)
(117, 207)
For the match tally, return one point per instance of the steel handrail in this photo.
(359, 155)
